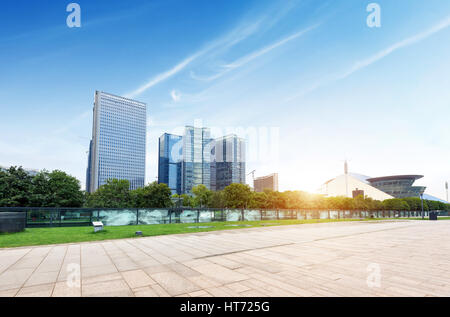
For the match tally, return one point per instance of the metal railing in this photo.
(67, 217)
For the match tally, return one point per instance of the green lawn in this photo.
(45, 236)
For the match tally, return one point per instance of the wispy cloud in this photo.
(404, 43)
(163, 76)
(359, 65)
(254, 55)
(243, 31)
(232, 38)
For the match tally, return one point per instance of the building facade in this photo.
(266, 182)
(118, 145)
(398, 186)
(228, 165)
(196, 162)
(169, 162)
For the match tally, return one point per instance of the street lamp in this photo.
(421, 199)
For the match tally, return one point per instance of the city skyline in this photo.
(335, 88)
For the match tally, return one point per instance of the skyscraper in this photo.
(196, 163)
(118, 145)
(229, 161)
(169, 163)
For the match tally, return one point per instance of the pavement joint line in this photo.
(35, 269)
(60, 270)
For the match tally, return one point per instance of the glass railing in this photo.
(66, 217)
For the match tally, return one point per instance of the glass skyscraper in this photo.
(169, 163)
(229, 162)
(118, 146)
(196, 163)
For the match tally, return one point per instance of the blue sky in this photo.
(307, 82)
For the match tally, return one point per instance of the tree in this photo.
(237, 196)
(396, 204)
(114, 194)
(340, 203)
(184, 200)
(15, 188)
(414, 203)
(202, 195)
(56, 189)
(153, 195)
(217, 200)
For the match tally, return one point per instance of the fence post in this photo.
(198, 215)
(137, 216)
(170, 216)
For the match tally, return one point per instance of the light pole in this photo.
(421, 199)
(446, 189)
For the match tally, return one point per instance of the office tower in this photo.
(118, 141)
(266, 182)
(196, 163)
(229, 162)
(169, 163)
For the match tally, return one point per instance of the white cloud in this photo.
(250, 57)
(235, 36)
(359, 65)
(389, 50)
(176, 96)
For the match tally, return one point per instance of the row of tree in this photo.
(241, 196)
(57, 189)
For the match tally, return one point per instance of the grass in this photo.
(46, 236)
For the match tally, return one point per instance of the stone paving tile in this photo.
(9, 292)
(36, 291)
(101, 278)
(174, 283)
(145, 291)
(62, 289)
(302, 260)
(98, 270)
(11, 279)
(39, 278)
(220, 273)
(113, 288)
(137, 279)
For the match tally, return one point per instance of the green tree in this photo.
(340, 203)
(237, 196)
(114, 194)
(414, 203)
(396, 204)
(217, 200)
(153, 195)
(56, 189)
(183, 200)
(202, 195)
(15, 188)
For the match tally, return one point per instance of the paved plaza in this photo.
(385, 258)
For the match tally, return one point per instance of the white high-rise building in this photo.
(118, 145)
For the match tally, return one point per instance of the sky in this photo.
(307, 82)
